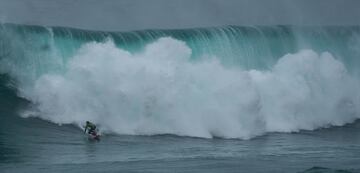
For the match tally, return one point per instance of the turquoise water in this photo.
(245, 46)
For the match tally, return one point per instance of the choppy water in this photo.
(38, 146)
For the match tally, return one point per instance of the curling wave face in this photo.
(162, 89)
(159, 91)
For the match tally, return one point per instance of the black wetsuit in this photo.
(91, 128)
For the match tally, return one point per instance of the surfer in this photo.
(90, 127)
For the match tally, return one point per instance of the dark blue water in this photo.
(33, 145)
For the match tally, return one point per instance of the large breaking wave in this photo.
(230, 82)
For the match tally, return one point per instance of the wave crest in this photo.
(161, 91)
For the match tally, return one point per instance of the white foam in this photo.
(160, 91)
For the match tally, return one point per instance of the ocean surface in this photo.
(221, 99)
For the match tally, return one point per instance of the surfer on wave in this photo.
(90, 127)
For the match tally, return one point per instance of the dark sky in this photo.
(146, 14)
